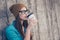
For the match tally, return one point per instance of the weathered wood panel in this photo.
(47, 13)
(3, 18)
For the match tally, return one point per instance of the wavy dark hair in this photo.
(18, 26)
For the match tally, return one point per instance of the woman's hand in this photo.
(32, 23)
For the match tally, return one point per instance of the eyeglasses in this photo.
(23, 11)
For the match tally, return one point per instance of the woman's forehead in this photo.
(23, 8)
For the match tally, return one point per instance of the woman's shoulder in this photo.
(9, 27)
(12, 33)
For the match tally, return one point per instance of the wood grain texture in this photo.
(47, 13)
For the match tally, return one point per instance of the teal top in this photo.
(12, 33)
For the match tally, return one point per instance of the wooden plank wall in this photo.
(47, 13)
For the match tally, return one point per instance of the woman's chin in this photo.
(23, 19)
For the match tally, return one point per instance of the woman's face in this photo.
(23, 13)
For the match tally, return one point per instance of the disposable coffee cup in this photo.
(31, 16)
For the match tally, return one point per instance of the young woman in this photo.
(20, 29)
